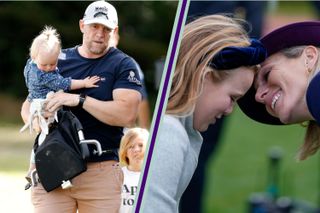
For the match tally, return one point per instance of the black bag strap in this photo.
(69, 126)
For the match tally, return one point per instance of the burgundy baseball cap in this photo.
(296, 34)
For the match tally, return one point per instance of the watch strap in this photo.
(82, 98)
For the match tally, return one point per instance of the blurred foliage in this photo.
(241, 166)
(145, 30)
(304, 7)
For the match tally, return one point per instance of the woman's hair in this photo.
(48, 40)
(126, 141)
(312, 137)
(202, 40)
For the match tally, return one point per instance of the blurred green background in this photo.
(239, 168)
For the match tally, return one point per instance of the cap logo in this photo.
(101, 11)
(101, 14)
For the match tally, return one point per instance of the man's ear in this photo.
(81, 25)
(116, 31)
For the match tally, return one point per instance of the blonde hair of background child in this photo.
(48, 40)
(202, 39)
(126, 141)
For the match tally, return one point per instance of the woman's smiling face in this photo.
(281, 85)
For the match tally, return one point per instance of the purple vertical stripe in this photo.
(160, 108)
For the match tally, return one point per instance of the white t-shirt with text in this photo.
(129, 190)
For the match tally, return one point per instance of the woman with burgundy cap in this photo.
(215, 67)
(287, 88)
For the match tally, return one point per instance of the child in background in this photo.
(42, 78)
(131, 154)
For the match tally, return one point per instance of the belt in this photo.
(109, 154)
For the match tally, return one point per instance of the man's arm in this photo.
(122, 111)
(144, 114)
(25, 111)
(25, 115)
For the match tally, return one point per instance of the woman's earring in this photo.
(308, 68)
(304, 124)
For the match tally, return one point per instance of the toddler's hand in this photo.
(90, 82)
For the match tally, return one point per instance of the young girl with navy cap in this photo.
(215, 67)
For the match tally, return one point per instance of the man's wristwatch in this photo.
(82, 98)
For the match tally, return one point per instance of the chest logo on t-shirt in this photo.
(132, 78)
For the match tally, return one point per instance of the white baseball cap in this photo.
(101, 12)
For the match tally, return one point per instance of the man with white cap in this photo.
(103, 112)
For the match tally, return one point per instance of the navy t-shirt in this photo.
(116, 70)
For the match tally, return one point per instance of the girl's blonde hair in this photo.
(48, 40)
(312, 137)
(202, 39)
(126, 141)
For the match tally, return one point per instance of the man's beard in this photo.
(97, 49)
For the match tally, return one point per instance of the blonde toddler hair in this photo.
(48, 40)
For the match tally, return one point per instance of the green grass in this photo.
(240, 166)
(15, 149)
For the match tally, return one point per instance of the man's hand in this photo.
(59, 99)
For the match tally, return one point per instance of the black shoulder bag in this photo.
(62, 154)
